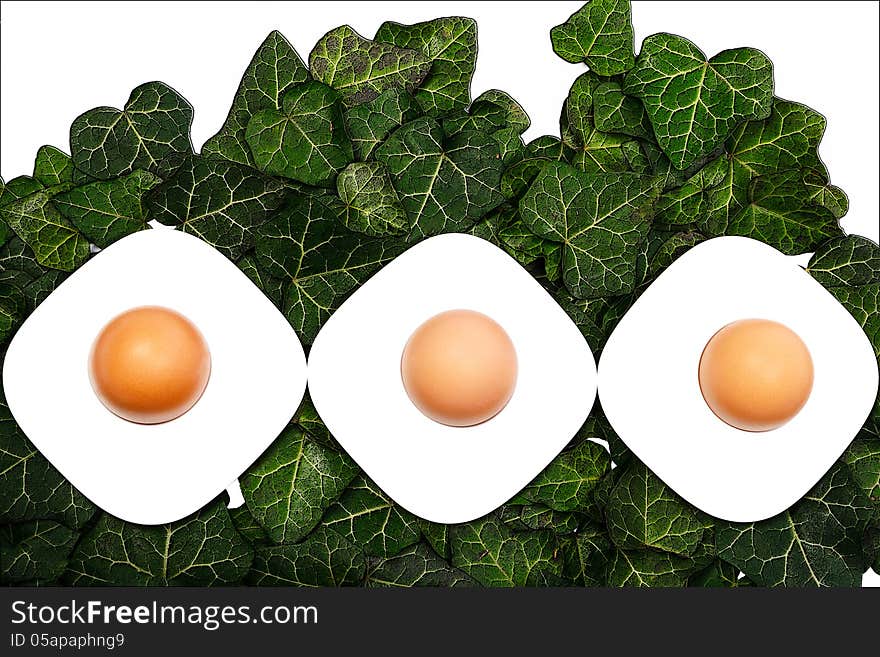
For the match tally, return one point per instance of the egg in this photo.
(756, 374)
(452, 378)
(459, 368)
(149, 365)
(737, 378)
(154, 375)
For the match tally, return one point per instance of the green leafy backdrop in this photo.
(325, 171)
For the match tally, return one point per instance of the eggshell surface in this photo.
(649, 384)
(438, 472)
(153, 474)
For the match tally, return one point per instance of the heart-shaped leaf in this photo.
(305, 140)
(275, 68)
(693, 103)
(361, 69)
(600, 34)
(106, 142)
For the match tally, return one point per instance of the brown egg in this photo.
(459, 368)
(149, 365)
(756, 374)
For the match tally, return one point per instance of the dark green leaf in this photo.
(693, 103)
(444, 184)
(320, 260)
(586, 556)
(495, 555)
(221, 202)
(781, 214)
(645, 512)
(371, 204)
(566, 484)
(361, 69)
(643, 568)
(247, 526)
(850, 260)
(203, 549)
(600, 34)
(600, 218)
(305, 140)
(416, 566)
(366, 517)
(719, 574)
(437, 536)
(370, 123)
(863, 459)
(308, 420)
(537, 516)
(52, 166)
(817, 542)
(155, 122)
(324, 558)
(105, 211)
(275, 68)
(56, 243)
(36, 550)
(291, 485)
(451, 46)
(614, 111)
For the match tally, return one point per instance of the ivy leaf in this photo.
(781, 214)
(415, 566)
(105, 211)
(247, 526)
(600, 218)
(291, 485)
(593, 150)
(719, 574)
(18, 264)
(566, 484)
(305, 140)
(370, 123)
(155, 122)
(527, 517)
(863, 459)
(614, 111)
(275, 68)
(491, 111)
(361, 69)
(693, 103)
(817, 542)
(221, 202)
(599, 34)
(828, 196)
(445, 185)
(55, 242)
(684, 205)
(366, 517)
(494, 555)
(308, 420)
(850, 260)
(437, 536)
(670, 250)
(644, 512)
(324, 558)
(201, 550)
(586, 556)
(371, 204)
(36, 551)
(36, 291)
(320, 260)
(451, 46)
(653, 568)
(52, 166)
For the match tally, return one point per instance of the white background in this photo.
(58, 59)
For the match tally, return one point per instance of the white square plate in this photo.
(441, 473)
(649, 387)
(159, 473)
